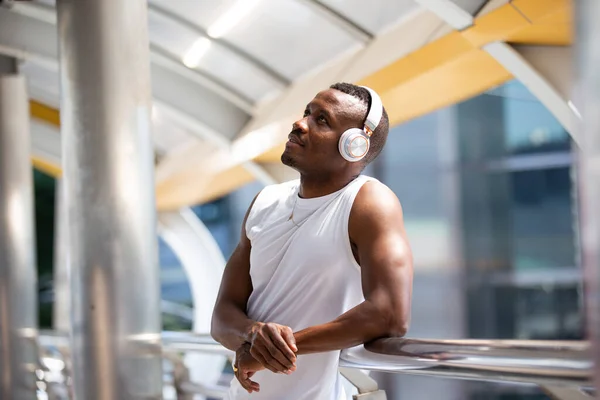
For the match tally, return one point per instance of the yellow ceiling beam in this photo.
(219, 185)
(273, 155)
(555, 28)
(535, 10)
(460, 79)
(496, 26)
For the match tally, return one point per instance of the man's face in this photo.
(313, 142)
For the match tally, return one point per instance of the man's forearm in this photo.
(361, 324)
(231, 326)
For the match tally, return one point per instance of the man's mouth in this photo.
(295, 139)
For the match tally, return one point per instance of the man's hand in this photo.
(274, 347)
(246, 366)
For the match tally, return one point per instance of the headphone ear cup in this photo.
(354, 145)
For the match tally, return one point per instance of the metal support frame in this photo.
(588, 58)
(517, 65)
(449, 11)
(335, 17)
(18, 275)
(108, 177)
(368, 388)
(565, 393)
(203, 264)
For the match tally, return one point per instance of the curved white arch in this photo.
(203, 263)
(538, 85)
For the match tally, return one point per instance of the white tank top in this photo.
(303, 274)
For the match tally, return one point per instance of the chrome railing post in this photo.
(108, 165)
(588, 57)
(18, 275)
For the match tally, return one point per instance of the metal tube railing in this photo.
(558, 363)
(529, 362)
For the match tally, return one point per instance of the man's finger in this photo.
(238, 376)
(288, 336)
(253, 385)
(247, 383)
(255, 352)
(275, 358)
(282, 350)
(264, 356)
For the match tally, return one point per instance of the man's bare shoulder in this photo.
(374, 201)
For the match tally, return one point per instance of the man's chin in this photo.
(288, 160)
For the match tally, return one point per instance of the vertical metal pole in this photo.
(588, 57)
(62, 290)
(18, 275)
(109, 182)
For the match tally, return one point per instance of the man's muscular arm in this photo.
(376, 229)
(272, 345)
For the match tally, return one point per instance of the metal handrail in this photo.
(171, 341)
(519, 361)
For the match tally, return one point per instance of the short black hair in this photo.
(380, 134)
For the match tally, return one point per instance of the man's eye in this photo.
(322, 119)
(306, 113)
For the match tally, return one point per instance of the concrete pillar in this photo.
(109, 182)
(18, 275)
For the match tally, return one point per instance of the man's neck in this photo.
(311, 187)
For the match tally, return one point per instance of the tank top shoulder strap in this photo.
(270, 198)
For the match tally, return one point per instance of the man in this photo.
(323, 262)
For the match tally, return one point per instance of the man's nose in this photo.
(300, 125)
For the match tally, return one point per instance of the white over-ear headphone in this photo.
(355, 142)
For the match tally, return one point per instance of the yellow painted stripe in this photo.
(44, 113)
(51, 116)
(46, 167)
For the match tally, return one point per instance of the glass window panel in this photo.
(174, 286)
(289, 36)
(239, 74)
(530, 127)
(200, 12)
(229, 68)
(542, 221)
(170, 35)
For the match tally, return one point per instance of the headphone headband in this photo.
(355, 142)
(375, 112)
